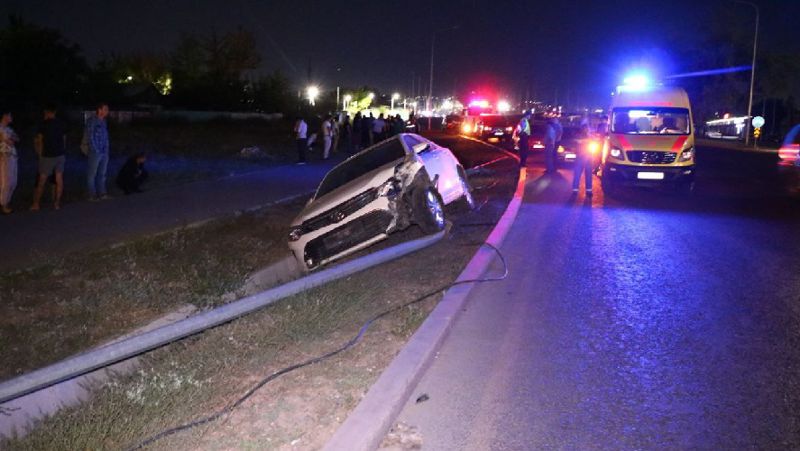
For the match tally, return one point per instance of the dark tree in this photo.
(208, 72)
(37, 65)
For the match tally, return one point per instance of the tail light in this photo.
(789, 152)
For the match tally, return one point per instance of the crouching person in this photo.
(132, 174)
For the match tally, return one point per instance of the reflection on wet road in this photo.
(648, 320)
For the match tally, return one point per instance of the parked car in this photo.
(452, 123)
(401, 181)
(789, 152)
(567, 152)
(495, 126)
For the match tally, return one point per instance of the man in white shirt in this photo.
(327, 137)
(301, 139)
(378, 128)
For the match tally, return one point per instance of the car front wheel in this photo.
(428, 209)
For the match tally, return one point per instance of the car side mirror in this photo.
(421, 147)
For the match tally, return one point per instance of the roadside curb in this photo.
(366, 426)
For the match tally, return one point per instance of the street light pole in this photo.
(430, 84)
(752, 74)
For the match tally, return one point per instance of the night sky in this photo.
(570, 49)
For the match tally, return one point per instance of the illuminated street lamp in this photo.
(312, 92)
(395, 96)
(346, 100)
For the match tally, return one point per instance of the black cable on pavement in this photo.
(352, 342)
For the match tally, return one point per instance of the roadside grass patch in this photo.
(67, 306)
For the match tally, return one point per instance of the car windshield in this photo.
(650, 121)
(363, 163)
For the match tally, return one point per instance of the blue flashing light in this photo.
(636, 81)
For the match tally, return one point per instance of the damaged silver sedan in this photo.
(402, 181)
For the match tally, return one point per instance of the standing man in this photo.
(370, 121)
(335, 129)
(583, 163)
(602, 127)
(8, 161)
(559, 134)
(97, 139)
(378, 129)
(523, 132)
(549, 147)
(301, 139)
(327, 137)
(50, 143)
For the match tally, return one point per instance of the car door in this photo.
(449, 180)
(429, 156)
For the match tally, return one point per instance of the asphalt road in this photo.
(30, 238)
(644, 321)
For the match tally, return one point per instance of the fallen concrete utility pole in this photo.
(107, 355)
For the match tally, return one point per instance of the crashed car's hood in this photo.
(347, 191)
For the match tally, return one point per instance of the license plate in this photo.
(650, 175)
(498, 133)
(569, 156)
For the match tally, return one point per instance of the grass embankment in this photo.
(71, 304)
(201, 374)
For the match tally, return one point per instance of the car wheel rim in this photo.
(435, 208)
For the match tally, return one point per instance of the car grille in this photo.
(348, 235)
(339, 212)
(649, 157)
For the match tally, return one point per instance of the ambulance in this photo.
(650, 139)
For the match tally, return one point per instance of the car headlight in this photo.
(687, 154)
(616, 152)
(295, 233)
(560, 149)
(389, 188)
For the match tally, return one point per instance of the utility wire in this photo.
(349, 344)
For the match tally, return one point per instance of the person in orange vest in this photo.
(523, 132)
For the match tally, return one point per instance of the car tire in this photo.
(467, 201)
(428, 209)
(609, 187)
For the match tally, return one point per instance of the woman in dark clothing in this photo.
(346, 129)
(132, 174)
(358, 125)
